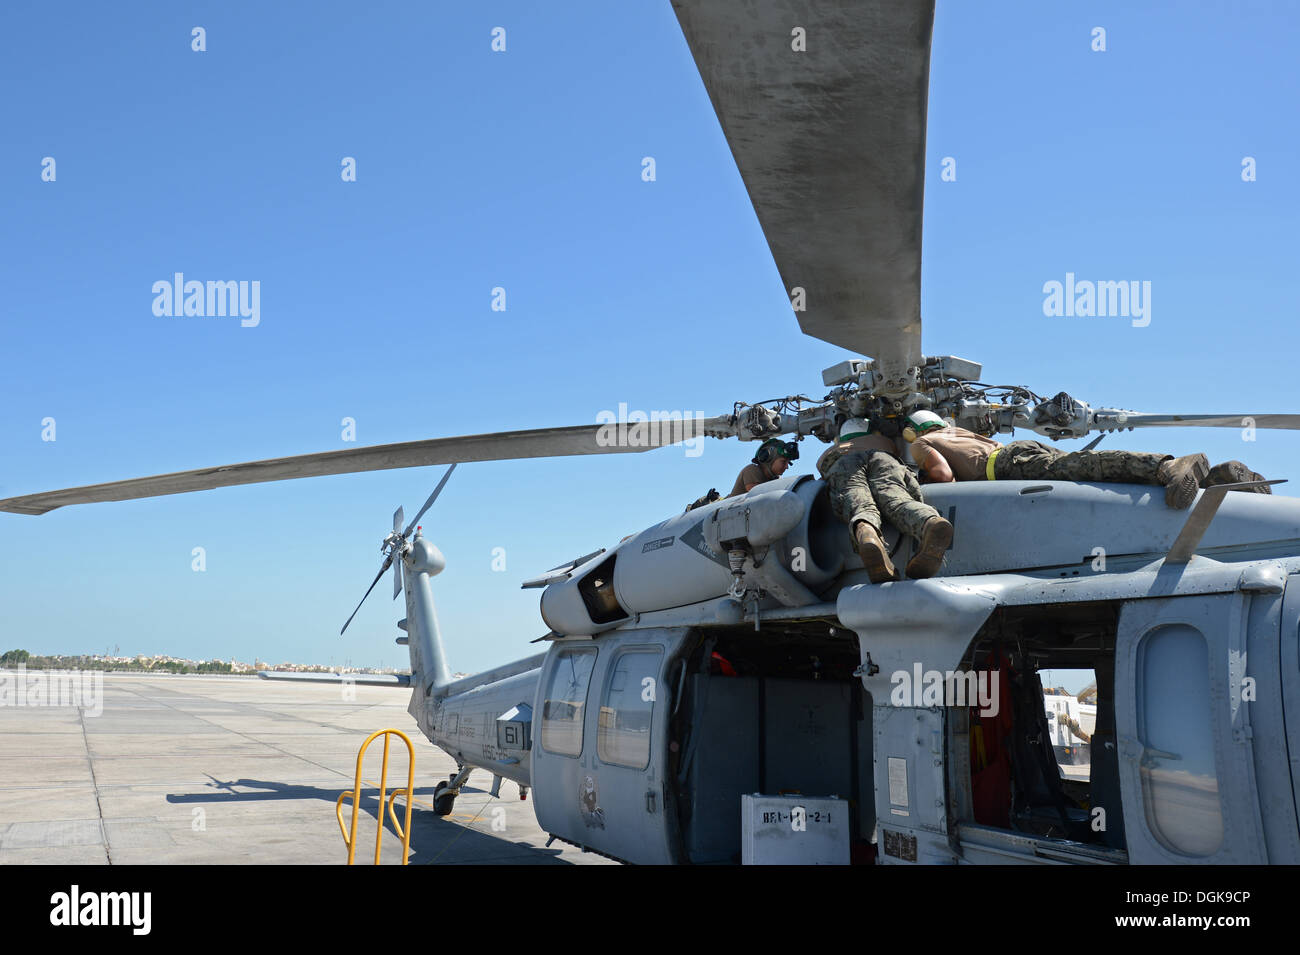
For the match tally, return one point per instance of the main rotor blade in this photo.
(830, 142)
(428, 504)
(1110, 420)
(387, 560)
(500, 446)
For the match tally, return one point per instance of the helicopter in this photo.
(738, 649)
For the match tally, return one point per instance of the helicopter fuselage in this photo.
(670, 690)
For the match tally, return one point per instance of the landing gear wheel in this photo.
(442, 800)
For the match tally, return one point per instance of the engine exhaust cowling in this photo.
(677, 562)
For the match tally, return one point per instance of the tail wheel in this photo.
(443, 801)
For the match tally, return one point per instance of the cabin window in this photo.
(1180, 785)
(566, 700)
(623, 737)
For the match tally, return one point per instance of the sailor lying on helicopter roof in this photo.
(947, 453)
(866, 479)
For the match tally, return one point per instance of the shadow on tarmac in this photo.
(435, 840)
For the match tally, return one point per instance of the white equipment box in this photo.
(794, 830)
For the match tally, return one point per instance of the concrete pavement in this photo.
(191, 770)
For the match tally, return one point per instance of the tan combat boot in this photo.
(1182, 477)
(935, 537)
(1234, 472)
(874, 554)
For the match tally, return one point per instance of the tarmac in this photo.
(193, 770)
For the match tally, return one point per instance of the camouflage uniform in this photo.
(861, 480)
(1034, 461)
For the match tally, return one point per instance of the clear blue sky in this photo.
(522, 169)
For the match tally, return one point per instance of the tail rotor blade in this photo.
(397, 577)
(397, 520)
(429, 503)
(387, 561)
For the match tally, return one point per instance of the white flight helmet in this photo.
(919, 422)
(854, 428)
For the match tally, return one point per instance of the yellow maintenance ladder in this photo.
(403, 831)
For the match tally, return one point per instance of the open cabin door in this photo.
(1183, 731)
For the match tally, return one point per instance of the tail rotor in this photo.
(396, 544)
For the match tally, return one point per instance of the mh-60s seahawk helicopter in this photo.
(738, 648)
